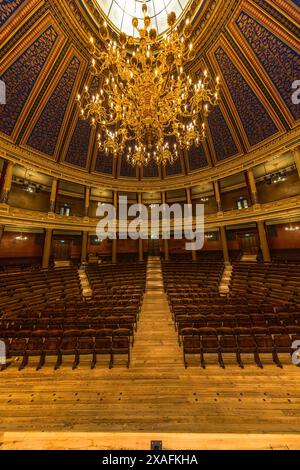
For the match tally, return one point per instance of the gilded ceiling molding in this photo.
(264, 153)
(287, 8)
(283, 209)
(208, 26)
(17, 12)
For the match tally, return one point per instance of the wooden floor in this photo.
(155, 396)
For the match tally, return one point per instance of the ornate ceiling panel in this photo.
(279, 60)
(22, 75)
(255, 118)
(8, 8)
(197, 158)
(151, 171)
(104, 164)
(251, 44)
(79, 148)
(173, 170)
(46, 131)
(222, 138)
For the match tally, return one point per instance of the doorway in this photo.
(62, 250)
(153, 247)
(249, 244)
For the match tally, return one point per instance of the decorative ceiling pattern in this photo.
(255, 118)
(222, 139)
(173, 170)
(197, 158)
(151, 171)
(78, 150)
(47, 128)
(21, 77)
(280, 61)
(44, 64)
(104, 164)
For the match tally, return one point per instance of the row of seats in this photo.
(277, 282)
(201, 276)
(257, 340)
(213, 255)
(38, 287)
(66, 325)
(208, 322)
(71, 342)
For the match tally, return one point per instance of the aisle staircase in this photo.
(156, 340)
(85, 285)
(224, 288)
(249, 258)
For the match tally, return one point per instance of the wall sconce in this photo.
(21, 238)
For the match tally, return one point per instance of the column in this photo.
(297, 159)
(7, 183)
(114, 242)
(2, 228)
(189, 201)
(87, 201)
(47, 248)
(141, 245)
(84, 245)
(252, 186)
(53, 195)
(166, 241)
(217, 191)
(264, 241)
(224, 245)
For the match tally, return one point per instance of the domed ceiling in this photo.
(253, 45)
(120, 13)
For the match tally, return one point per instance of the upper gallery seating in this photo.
(235, 255)
(250, 320)
(286, 256)
(67, 325)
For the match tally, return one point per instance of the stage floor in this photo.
(157, 395)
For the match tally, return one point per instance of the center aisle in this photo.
(156, 339)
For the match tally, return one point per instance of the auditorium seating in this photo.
(130, 277)
(285, 256)
(260, 315)
(234, 255)
(186, 282)
(26, 289)
(277, 282)
(66, 325)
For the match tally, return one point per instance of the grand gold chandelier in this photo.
(148, 106)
